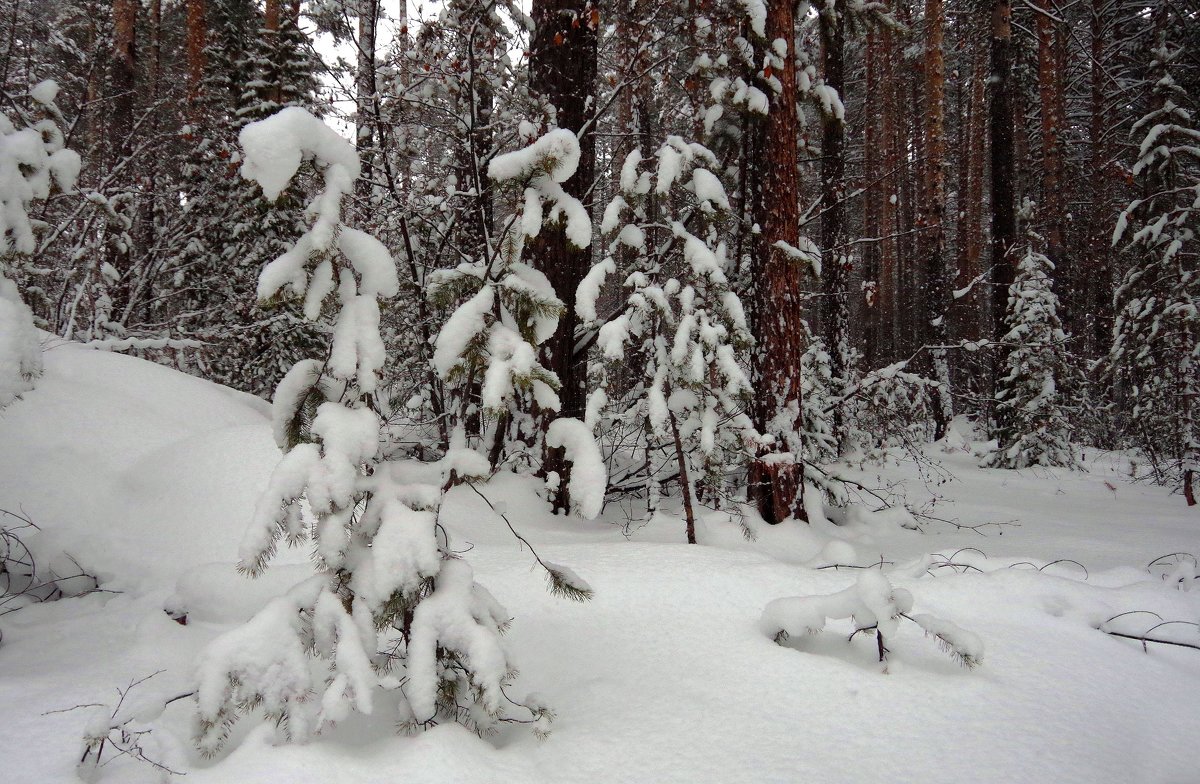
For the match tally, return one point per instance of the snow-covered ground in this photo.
(147, 477)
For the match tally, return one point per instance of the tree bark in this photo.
(973, 305)
(837, 265)
(364, 96)
(1052, 211)
(1099, 274)
(122, 91)
(195, 42)
(776, 482)
(563, 74)
(872, 204)
(123, 75)
(933, 215)
(1000, 133)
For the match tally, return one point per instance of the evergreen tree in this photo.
(234, 231)
(33, 162)
(390, 594)
(680, 320)
(1033, 428)
(1155, 356)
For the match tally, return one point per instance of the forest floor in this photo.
(146, 477)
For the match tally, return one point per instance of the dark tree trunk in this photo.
(837, 264)
(1000, 133)
(365, 87)
(872, 206)
(563, 75)
(1098, 275)
(122, 91)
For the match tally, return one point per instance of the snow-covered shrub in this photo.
(393, 615)
(887, 408)
(1033, 428)
(33, 162)
(871, 604)
(675, 350)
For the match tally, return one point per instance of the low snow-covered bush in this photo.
(871, 604)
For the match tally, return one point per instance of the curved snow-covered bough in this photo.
(872, 604)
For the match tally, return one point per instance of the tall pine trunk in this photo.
(837, 263)
(776, 483)
(365, 86)
(563, 75)
(122, 84)
(1052, 210)
(933, 215)
(1000, 133)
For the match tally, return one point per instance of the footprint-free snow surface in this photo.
(146, 477)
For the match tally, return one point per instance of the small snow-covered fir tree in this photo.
(392, 615)
(1155, 356)
(680, 320)
(1033, 429)
(33, 162)
(487, 350)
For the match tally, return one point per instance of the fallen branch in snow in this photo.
(1183, 569)
(999, 524)
(20, 583)
(1144, 637)
(112, 730)
(1051, 563)
(563, 582)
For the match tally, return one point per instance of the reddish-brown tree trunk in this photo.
(1053, 207)
(933, 249)
(195, 42)
(775, 481)
(122, 93)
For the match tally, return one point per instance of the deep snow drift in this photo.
(147, 478)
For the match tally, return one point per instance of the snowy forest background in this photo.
(748, 275)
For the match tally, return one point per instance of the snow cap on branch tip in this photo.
(555, 153)
(276, 146)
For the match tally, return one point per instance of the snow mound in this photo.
(134, 469)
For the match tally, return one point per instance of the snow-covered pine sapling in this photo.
(871, 604)
(33, 161)
(487, 351)
(679, 317)
(392, 615)
(1033, 429)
